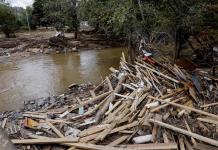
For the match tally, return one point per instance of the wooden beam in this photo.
(45, 141)
(155, 146)
(119, 140)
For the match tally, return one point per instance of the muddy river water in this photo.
(47, 75)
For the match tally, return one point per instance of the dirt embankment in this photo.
(38, 42)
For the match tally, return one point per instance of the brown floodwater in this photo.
(47, 75)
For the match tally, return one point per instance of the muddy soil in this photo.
(37, 42)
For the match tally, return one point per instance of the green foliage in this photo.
(56, 13)
(24, 15)
(142, 16)
(37, 12)
(8, 21)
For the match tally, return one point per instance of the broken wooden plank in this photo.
(153, 146)
(97, 98)
(4, 123)
(158, 73)
(209, 105)
(194, 135)
(104, 108)
(109, 84)
(45, 141)
(201, 146)
(93, 130)
(186, 107)
(135, 123)
(55, 129)
(119, 140)
(208, 120)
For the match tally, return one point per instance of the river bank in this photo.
(37, 42)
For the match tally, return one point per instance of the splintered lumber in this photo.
(188, 145)
(94, 147)
(92, 93)
(201, 146)
(189, 129)
(118, 88)
(109, 84)
(186, 107)
(114, 106)
(209, 105)
(55, 129)
(45, 141)
(127, 107)
(93, 130)
(182, 131)
(155, 146)
(208, 120)
(97, 98)
(88, 138)
(158, 146)
(181, 144)
(119, 140)
(158, 73)
(124, 127)
(35, 116)
(165, 105)
(4, 123)
(104, 133)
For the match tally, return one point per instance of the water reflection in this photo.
(42, 76)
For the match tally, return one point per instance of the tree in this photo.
(56, 13)
(8, 21)
(25, 17)
(141, 17)
(120, 18)
(71, 16)
(38, 13)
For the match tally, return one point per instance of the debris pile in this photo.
(141, 106)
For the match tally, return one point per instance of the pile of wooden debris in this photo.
(142, 107)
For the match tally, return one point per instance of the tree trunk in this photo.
(131, 49)
(178, 44)
(141, 10)
(76, 33)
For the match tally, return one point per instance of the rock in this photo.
(72, 132)
(72, 86)
(92, 45)
(34, 50)
(46, 51)
(75, 43)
